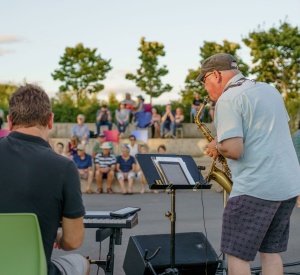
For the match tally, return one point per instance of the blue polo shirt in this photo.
(125, 165)
(83, 163)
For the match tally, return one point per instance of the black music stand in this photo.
(170, 172)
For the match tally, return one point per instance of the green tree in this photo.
(81, 70)
(208, 49)
(276, 58)
(148, 76)
(6, 91)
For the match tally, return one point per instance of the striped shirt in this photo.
(105, 161)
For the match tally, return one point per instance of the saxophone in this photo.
(221, 177)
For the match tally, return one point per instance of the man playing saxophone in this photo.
(253, 134)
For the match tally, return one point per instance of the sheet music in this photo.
(177, 160)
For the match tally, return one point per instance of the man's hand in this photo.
(211, 149)
(57, 242)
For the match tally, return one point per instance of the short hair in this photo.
(162, 146)
(29, 106)
(126, 147)
(60, 143)
(132, 136)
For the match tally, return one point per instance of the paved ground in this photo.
(189, 219)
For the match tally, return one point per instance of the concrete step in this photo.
(181, 146)
(190, 130)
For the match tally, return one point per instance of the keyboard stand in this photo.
(115, 238)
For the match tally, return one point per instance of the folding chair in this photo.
(21, 246)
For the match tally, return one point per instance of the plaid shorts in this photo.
(251, 224)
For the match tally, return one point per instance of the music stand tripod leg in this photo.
(172, 216)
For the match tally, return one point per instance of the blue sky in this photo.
(34, 34)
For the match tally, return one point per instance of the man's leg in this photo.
(271, 264)
(110, 177)
(99, 180)
(72, 264)
(98, 127)
(173, 128)
(237, 266)
(90, 179)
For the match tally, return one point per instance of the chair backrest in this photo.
(21, 246)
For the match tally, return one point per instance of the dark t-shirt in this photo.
(125, 165)
(34, 179)
(83, 163)
(197, 102)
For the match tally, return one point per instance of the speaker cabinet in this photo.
(194, 255)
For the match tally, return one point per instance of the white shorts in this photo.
(125, 176)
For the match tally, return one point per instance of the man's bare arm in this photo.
(232, 148)
(72, 234)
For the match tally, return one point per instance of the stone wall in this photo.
(63, 130)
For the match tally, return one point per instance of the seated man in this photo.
(167, 123)
(80, 130)
(105, 167)
(84, 165)
(103, 118)
(101, 138)
(126, 169)
(45, 183)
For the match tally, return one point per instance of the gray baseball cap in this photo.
(218, 62)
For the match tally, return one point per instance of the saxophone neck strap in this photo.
(236, 84)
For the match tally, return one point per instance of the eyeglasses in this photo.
(204, 78)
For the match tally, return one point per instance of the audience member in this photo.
(296, 141)
(80, 130)
(60, 149)
(179, 118)
(162, 149)
(103, 118)
(84, 165)
(105, 168)
(167, 123)
(133, 146)
(4, 132)
(1, 118)
(155, 123)
(139, 107)
(126, 169)
(45, 183)
(197, 102)
(122, 118)
(128, 102)
(97, 147)
(144, 149)
(72, 146)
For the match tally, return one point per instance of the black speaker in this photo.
(194, 255)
